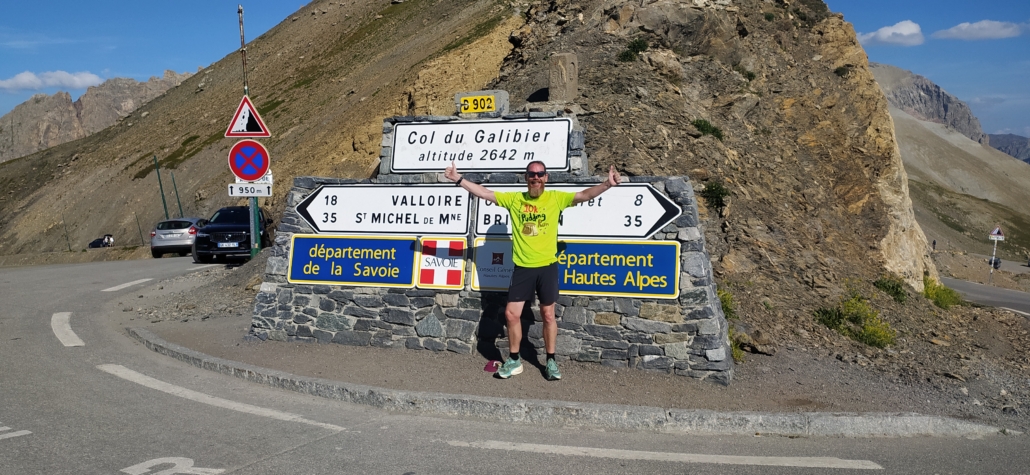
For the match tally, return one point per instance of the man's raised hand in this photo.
(613, 176)
(451, 172)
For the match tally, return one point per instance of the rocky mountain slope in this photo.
(961, 188)
(924, 100)
(1014, 145)
(46, 121)
(772, 101)
(807, 152)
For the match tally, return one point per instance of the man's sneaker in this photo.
(510, 368)
(552, 371)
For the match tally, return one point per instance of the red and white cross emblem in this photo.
(442, 264)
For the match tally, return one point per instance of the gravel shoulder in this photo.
(976, 371)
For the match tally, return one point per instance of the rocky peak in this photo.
(806, 146)
(1014, 145)
(45, 121)
(922, 99)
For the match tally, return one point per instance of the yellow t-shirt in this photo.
(534, 225)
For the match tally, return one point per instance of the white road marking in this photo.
(62, 328)
(807, 462)
(1017, 311)
(182, 465)
(130, 375)
(127, 284)
(11, 435)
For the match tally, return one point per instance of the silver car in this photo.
(174, 236)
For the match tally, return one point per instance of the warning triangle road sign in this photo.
(246, 122)
(997, 235)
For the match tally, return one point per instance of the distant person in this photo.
(534, 223)
(108, 240)
(934, 245)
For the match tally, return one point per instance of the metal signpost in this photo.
(996, 235)
(627, 211)
(481, 145)
(388, 209)
(248, 159)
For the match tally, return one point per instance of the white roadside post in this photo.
(996, 235)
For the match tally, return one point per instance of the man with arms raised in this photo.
(534, 224)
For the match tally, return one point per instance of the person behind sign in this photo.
(534, 223)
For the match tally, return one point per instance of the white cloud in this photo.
(987, 101)
(28, 81)
(981, 30)
(904, 33)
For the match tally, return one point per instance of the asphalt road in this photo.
(108, 405)
(990, 295)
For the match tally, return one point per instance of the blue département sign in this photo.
(612, 268)
(373, 261)
(627, 268)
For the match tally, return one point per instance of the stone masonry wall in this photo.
(686, 336)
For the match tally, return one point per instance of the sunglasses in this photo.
(536, 174)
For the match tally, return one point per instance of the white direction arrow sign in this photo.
(630, 210)
(388, 209)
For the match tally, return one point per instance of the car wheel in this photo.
(156, 254)
(201, 258)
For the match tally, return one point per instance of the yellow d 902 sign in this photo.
(475, 104)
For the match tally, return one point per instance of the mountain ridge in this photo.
(45, 121)
(951, 171)
(923, 99)
(1012, 144)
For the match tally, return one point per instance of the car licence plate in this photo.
(228, 244)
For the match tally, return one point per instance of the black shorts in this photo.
(526, 281)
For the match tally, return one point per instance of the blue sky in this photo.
(977, 51)
(61, 45)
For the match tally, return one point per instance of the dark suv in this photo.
(227, 233)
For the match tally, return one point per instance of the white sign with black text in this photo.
(250, 189)
(264, 180)
(388, 209)
(481, 145)
(630, 210)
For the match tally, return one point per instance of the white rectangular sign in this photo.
(249, 189)
(266, 179)
(492, 267)
(388, 209)
(630, 210)
(481, 145)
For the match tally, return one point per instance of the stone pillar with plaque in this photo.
(563, 78)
